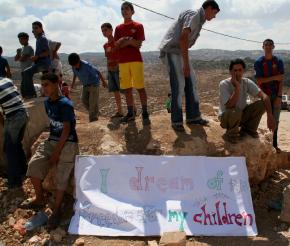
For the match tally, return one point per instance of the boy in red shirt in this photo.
(113, 66)
(129, 37)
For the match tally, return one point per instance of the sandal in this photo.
(31, 204)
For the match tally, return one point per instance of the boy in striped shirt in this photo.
(14, 117)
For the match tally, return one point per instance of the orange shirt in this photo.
(112, 55)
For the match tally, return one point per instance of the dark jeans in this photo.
(27, 86)
(276, 113)
(181, 85)
(14, 128)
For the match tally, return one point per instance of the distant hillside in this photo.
(202, 59)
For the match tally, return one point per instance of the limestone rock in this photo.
(11, 221)
(173, 239)
(80, 242)
(152, 243)
(57, 235)
(35, 239)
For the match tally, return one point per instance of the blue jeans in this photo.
(180, 85)
(14, 128)
(27, 86)
(276, 113)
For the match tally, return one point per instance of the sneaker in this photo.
(178, 128)
(145, 119)
(201, 121)
(127, 118)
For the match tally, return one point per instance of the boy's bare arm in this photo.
(54, 158)
(73, 81)
(102, 79)
(278, 77)
(8, 72)
(128, 41)
(43, 54)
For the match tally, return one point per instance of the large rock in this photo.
(104, 137)
(173, 239)
(38, 121)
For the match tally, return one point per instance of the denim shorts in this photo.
(114, 82)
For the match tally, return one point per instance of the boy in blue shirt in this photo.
(41, 59)
(270, 75)
(59, 150)
(90, 77)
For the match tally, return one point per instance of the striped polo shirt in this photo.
(10, 100)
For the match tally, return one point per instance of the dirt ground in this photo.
(271, 230)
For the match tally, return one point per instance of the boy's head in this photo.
(37, 28)
(237, 68)
(107, 30)
(49, 83)
(23, 38)
(211, 8)
(268, 46)
(74, 60)
(127, 10)
(1, 50)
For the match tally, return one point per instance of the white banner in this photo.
(135, 195)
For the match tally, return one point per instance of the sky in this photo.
(76, 23)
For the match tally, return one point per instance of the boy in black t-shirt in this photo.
(59, 150)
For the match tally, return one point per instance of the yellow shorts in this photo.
(131, 75)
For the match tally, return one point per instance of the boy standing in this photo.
(41, 59)
(269, 74)
(60, 149)
(174, 47)
(90, 78)
(4, 66)
(112, 65)
(129, 37)
(23, 54)
(14, 127)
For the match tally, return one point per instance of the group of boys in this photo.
(125, 72)
(125, 69)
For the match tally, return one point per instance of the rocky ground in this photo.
(269, 192)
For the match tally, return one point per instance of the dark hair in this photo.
(211, 3)
(236, 62)
(37, 23)
(23, 35)
(53, 78)
(73, 59)
(107, 25)
(268, 40)
(130, 5)
(1, 50)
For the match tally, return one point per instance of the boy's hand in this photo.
(34, 58)
(54, 158)
(105, 85)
